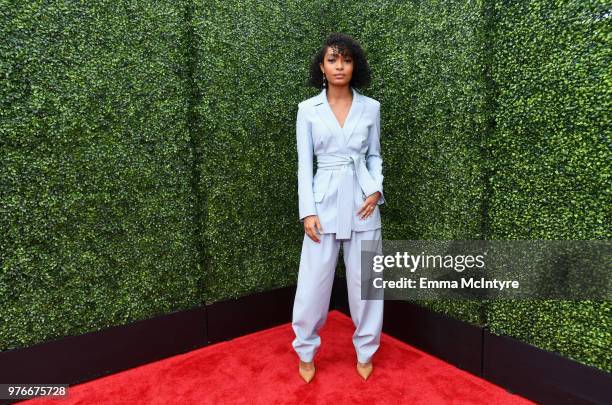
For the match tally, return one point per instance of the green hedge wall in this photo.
(96, 200)
(551, 157)
(148, 159)
(252, 57)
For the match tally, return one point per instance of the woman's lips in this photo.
(339, 76)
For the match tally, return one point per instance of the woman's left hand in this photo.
(369, 205)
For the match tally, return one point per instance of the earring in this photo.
(324, 81)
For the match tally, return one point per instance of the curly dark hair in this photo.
(342, 43)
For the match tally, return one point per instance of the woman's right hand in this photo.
(311, 225)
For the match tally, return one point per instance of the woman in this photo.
(341, 127)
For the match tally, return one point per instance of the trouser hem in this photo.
(307, 358)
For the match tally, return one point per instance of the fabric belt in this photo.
(344, 208)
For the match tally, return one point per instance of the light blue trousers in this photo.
(315, 279)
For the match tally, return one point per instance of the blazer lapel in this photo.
(354, 115)
(326, 114)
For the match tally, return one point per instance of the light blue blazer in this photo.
(349, 163)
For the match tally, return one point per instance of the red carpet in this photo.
(227, 373)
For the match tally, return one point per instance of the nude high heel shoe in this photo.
(365, 369)
(307, 370)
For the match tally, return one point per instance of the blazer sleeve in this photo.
(374, 159)
(305, 151)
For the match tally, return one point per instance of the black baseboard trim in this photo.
(451, 340)
(542, 376)
(339, 298)
(76, 359)
(529, 371)
(233, 318)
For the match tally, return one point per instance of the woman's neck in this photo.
(335, 94)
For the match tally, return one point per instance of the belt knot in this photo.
(344, 205)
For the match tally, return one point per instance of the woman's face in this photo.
(337, 69)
